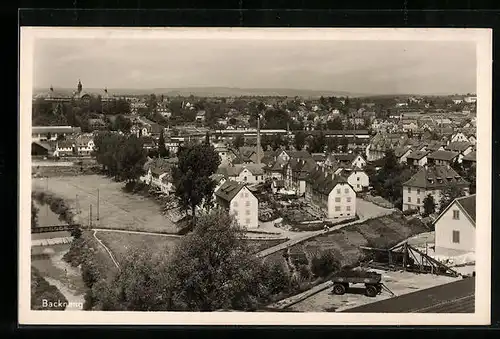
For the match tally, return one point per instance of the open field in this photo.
(400, 283)
(119, 243)
(117, 209)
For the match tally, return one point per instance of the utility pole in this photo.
(47, 191)
(97, 204)
(90, 217)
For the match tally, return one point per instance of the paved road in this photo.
(455, 297)
(366, 209)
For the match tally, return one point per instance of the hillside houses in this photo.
(240, 202)
(356, 177)
(296, 172)
(442, 158)
(243, 173)
(159, 174)
(430, 180)
(330, 194)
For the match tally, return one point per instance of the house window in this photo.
(338, 190)
(409, 189)
(337, 208)
(456, 214)
(245, 179)
(247, 204)
(337, 199)
(235, 204)
(348, 208)
(456, 237)
(357, 178)
(247, 221)
(357, 185)
(418, 200)
(409, 199)
(236, 213)
(348, 199)
(418, 190)
(247, 212)
(346, 190)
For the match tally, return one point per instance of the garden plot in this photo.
(117, 210)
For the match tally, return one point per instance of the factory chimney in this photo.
(258, 139)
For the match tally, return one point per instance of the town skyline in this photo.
(345, 67)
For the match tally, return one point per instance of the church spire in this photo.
(79, 86)
(51, 88)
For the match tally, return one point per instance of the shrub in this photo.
(324, 264)
(276, 279)
(41, 290)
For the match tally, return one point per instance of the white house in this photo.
(455, 228)
(158, 174)
(330, 194)
(430, 180)
(459, 136)
(65, 148)
(357, 178)
(85, 144)
(240, 202)
(247, 173)
(470, 99)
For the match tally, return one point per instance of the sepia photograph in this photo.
(255, 176)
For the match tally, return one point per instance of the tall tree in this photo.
(299, 140)
(122, 124)
(214, 269)
(162, 150)
(449, 194)
(238, 142)
(191, 176)
(318, 143)
(332, 144)
(344, 144)
(335, 124)
(132, 158)
(429, 205)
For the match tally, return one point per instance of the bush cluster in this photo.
(56, 204)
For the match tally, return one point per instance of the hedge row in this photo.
(56, 204)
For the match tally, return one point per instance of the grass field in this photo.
(121, 243)
(117, 209)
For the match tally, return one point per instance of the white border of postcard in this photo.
(483, 39)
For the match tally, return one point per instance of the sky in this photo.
(368, 67)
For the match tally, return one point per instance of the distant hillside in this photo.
(215, 92)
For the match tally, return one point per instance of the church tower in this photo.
(79, 88)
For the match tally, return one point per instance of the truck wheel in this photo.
(379, 288)
(339, 289)
(371, 291)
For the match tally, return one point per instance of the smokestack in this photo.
(258, 139)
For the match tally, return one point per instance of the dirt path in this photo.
(137, 232)
(107, 250)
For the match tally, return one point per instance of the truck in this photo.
(372, 280)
